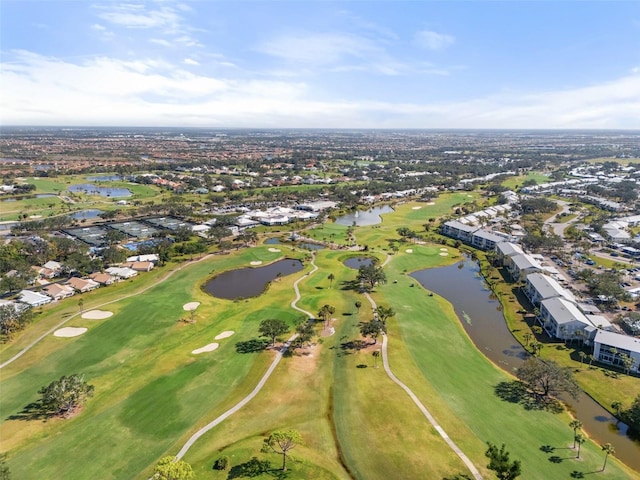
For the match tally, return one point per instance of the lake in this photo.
(91, 189)
(362, 218)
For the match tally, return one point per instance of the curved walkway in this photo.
(53, 329)
(385, 361)
(185, 448)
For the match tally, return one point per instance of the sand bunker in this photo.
(444, 254)
(274, 250)
(96, 314)
(67, 332)
(225, 334)
(409, 250)
(256, 262)
(187, 307)
(207, 348)
(416, 208)
(444, 249)
(431, 203)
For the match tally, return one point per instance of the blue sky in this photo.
(354, 64)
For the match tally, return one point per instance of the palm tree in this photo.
(617, 406)
(81, 305)
(582, 356)
(376, 354)
(608, 449)
(331, 278)
(358, 305)
(575, 424)
(579, 439)
(325, 313)
(527, 338)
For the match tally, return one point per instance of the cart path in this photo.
(185, 448)
(53, 329)
(385, 361)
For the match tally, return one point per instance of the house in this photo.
(539, 287)
(55, 266)
(58, 291)
(609, 346)
(522, 265)
(458, 230)
(506, 250)
(485, 240)
(561, 318)
(34, 299)
(43, 272)
(140, 266)
(83, 284)
(150, 257)
(102, 278)
(121, 272)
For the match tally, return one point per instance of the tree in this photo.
(81, 305)
(576, 425)
(13, 320)
(608, 449)
(273, 327)
(358, 304)
(170, 468)
(372, 329)
(64, 395)
(627, 362)
(325, 313)
(547, 379)
(370, 275)
(331, 278)
(579, 439)
(384, 313)
(617, 406)
(376, 355)
(582, 356)
(499, 463)
(282, 442)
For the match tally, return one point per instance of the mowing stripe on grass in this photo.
(185, 448)
(385, 361)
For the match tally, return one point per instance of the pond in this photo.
(362, 218)
(272, 241)
(481, 316)
(357, 262)
(250, 281)
(26, 197)
(86, 214)
(310, 246)
(91, 189)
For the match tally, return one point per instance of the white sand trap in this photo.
(416, 208)
(444, 254)
(444, 249)
(225, 334)
(274, 250)
(35, 216)
(256, 262)
(67, 332)
(409, 250)
(96, 314)
(207, 348)
(469, 195)
(187, 307)
(431, 203)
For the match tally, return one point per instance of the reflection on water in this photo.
(462, 285)
(357, 262)
(91, 189)
(250, 282)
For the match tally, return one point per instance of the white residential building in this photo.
(608, 346)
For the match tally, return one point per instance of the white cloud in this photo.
(433, 40)
(160, 41)
(98, 27)
(108, 91)
(131, 15)
(190, 61)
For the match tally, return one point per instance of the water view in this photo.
(250, 281)
(357, 262)
(480, 315)
(90, 189)
(105, 178)
(363, 218)
(86, 214)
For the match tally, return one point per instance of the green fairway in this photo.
(152, 393)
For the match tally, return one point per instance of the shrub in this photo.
(221, 463)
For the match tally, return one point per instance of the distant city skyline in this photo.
(321, 64)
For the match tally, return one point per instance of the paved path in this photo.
(53, 329)
(260, 384)
(385, 361)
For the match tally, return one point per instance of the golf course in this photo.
(159, 378)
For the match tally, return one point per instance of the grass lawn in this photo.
(512, 183)
(152, 394)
